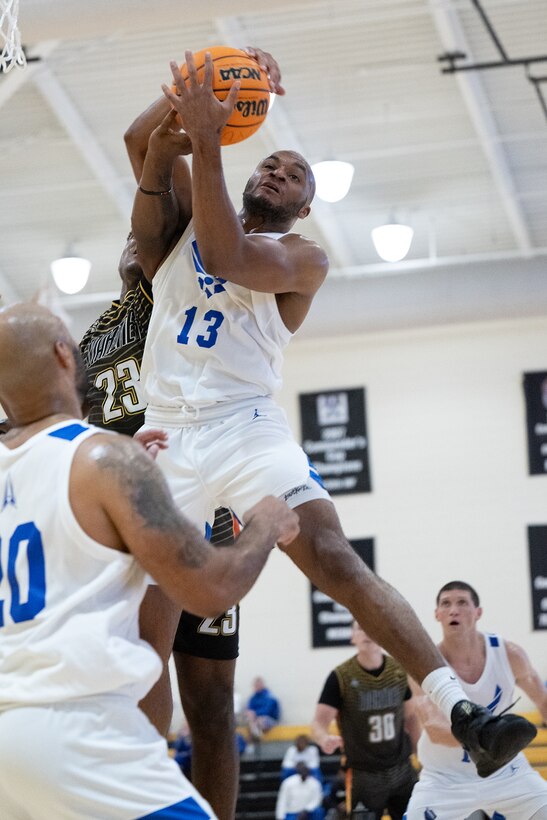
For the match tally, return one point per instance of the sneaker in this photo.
(490, 740)
(255, 734)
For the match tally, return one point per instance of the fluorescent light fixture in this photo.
(332, 179)
(70, 273)
(392, 242)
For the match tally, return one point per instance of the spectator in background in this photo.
(301, 751)
(262, 711)
(334, 800)
(300, 797)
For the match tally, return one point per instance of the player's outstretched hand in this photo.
(199, 109)
(270, 66)
(152, 440)
(276, 514)
(170, 138)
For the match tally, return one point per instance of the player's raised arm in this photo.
(280, 192)
(162, 205)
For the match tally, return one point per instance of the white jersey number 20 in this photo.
(26, 578)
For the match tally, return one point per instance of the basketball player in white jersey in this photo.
(204, 651)
(229, 292)
(85, 515)
(488, 668)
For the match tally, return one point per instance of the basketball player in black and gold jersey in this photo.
(112, 349)
(370, 699)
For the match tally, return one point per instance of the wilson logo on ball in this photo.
(252, 108)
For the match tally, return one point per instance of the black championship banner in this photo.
(334, 437)
(331, 622)
(537, 545)
(535, 393)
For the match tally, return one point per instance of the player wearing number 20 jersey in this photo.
(52, 571)
(72, 665)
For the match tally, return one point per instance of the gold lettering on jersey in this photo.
(114, 339)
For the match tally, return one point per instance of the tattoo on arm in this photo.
(140, 481)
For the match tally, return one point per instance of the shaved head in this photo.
(41, 372)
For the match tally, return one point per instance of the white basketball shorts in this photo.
(93, 759)
(234, 459)
(515, 793)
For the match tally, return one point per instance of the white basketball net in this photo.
(10, 39)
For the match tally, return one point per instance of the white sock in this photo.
(444, 689)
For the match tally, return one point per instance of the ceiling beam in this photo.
(84, 139)
(435, 263)
(80, 19)
(279, 133)
(453, 38)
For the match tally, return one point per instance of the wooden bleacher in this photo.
(536, 752)
(259, 778)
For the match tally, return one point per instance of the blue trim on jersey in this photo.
(70, 432)
(196, 256)
(498, 816)
(493, 641)
(315, 475)
(494, 703)
(187, 809)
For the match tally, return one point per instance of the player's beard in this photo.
(257, 205)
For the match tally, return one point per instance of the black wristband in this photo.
(155, 193)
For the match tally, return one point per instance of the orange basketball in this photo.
(250, 110)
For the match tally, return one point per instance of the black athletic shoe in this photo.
(491, 741)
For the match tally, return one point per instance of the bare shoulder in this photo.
(116, 473)
(297, 242)
(309, 262)
(518, 659)
(106, 450)
(117, 463)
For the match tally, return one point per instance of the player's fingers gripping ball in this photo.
(230, 64)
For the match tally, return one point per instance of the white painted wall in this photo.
(451, 494)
